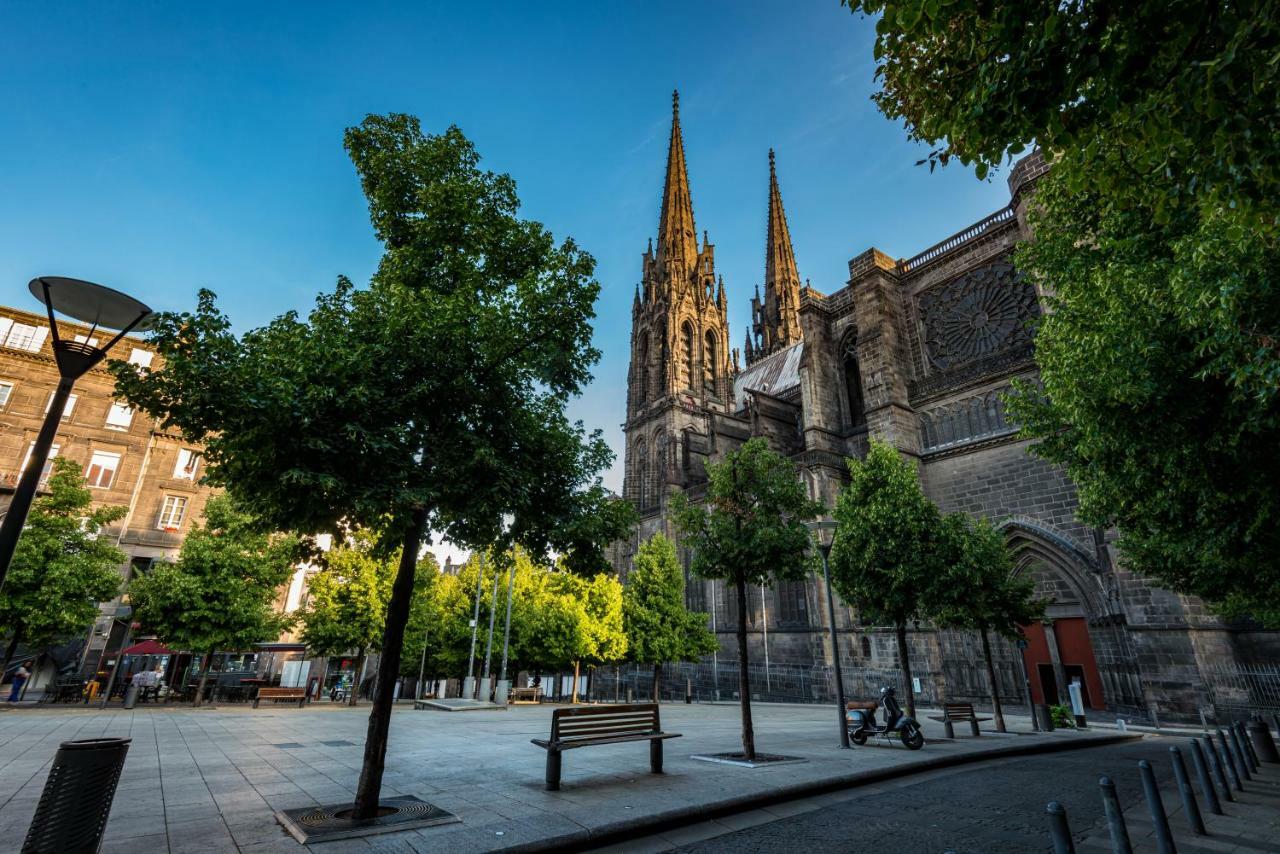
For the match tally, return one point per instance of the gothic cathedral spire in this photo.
(776, 320)
(677, 238)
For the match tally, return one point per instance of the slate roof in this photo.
(775, 374)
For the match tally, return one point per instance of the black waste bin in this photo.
(76, 800)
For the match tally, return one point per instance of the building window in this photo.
(48, 464)
(172, 513)
(709, 362)
(866, 647)
(642, 369)
(66, 410)
(689, 360)
(101, 472)
(140, 357)
(119, 416)
(793, 604)
(6, 389)
(188, 462)
(853, 383)
(85, 339)
(23, 336)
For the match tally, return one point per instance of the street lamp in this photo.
(99, 307)
(825, 534)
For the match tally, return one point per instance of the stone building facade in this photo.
(915, 352)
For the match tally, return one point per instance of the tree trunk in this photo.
(574, 694)
(905, 661)
(9, 651)
(369, 789)
(657, 682)
(353, 696)
(744, 679)
(991, 681)
(204, 677)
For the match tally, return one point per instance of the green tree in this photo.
(62, 567)
(983, 593)
(586, 615)
(422, 630)
(220, 593)
(889, 554)
(433, 399)
(1163, 101)
(749, 531)
(1160, 390)
(659, 628)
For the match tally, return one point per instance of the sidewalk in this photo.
(211, 780)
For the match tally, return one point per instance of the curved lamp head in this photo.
(90, 303)
(824, 533)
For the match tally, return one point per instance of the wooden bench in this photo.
(952, 712)
(532, 694)
(593, 725)
(281, 694)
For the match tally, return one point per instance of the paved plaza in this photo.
(211, 780)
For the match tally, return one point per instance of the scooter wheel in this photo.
(913, 738)
(859, 738)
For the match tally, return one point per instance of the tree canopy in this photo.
(659, 628)
(749, 530)
(63, 567)
(433, 398)
(1165, 100)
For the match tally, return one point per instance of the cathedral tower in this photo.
(680, 367)
(775, 321)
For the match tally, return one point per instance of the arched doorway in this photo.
(1060, 650)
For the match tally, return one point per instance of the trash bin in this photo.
(1263, 745)
(77, 796)
(131, 696)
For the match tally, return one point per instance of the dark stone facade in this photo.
(915, 352)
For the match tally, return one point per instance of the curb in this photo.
(621, 831)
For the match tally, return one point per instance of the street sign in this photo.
(1023, 643)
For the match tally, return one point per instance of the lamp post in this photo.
(93, 304)
(825, 534)
(504, 684)
(469, 684)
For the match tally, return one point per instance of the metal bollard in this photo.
(1202, 774)
(1189, 805)
(1228, 762)
(1115, 817)
(1164, 835)
(1237, 754)
(1059, 832)
(1218, 767)
(1260, 738)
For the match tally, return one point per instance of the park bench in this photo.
(281, 694)
(590, 726)
(532, 694)
(963, 712)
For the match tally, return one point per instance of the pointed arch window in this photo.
(642, 487)
(642, 368)
(853, 382)
(687, 340)
(710, 359)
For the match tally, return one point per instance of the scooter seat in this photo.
(864, 705)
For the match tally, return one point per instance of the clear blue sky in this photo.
(160, 148)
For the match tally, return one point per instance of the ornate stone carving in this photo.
(962, 421)
(986, 311)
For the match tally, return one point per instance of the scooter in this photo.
(861, 720)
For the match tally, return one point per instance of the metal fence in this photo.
(1235, 689)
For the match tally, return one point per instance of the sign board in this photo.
(915, 684)
(1023, 643)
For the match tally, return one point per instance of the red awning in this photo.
(147, 647)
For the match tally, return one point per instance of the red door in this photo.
(1076, 654)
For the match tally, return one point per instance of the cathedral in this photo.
(915, 352)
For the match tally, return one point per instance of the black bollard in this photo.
(1228, 762)
(1264, 747)
(1246, 745)
(1115, 817)
(1189, 805)
(1059, 832)
(1202, 774)
(1164, 835)
(1237, 754)
(1218, 767)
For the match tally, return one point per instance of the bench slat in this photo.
(593, 731)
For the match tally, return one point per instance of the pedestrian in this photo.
(20, 677)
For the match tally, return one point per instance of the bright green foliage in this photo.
(659, 628)
(62, 567)
(1160, 367)
(424, 620)
(981, 591)
(750, 530)
(1166, 100)
(889, 555)
(347, 600)
(219, 594)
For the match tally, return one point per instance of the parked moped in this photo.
(861, 720)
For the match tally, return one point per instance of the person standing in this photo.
(20, 677)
